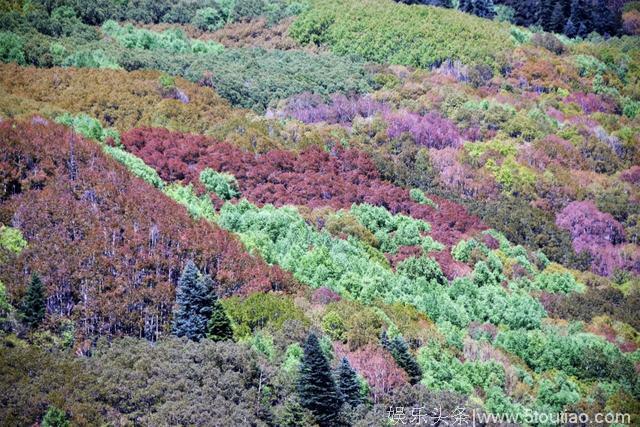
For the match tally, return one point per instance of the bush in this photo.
(549, 42)
(11, 48)
(224, 185)
(261, 311)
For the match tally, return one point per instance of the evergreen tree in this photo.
(582, 30)
(558, 19)
(466, 6)
(527, 11)
(603, 19)
(316, 386)
(484, 9)
(546, 13)
(400, 352)
(570, 29)
(384, 341)
(219, 328)
(33, 305)
(193, 304)
(348, 383)
(580, 17)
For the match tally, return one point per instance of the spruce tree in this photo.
(316, 386)
(546, 12)
(348, 383)
(583, 30)
(558, 19)
(484, 8)
(219, 327)
(193, 304)
(33, 305)
(466, 6)
(570, 29)
(400, 352)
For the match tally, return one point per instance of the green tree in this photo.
(316, 386)
(219, 327)
(33, 305)
(348, 383)
(193, 304)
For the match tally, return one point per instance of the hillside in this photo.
(299, 213)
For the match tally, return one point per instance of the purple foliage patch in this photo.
(430, 130)
(591, 103)
(311, 108)
(595, 232)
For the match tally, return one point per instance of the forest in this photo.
(319, 212)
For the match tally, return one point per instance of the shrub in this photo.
(261, 311)
(224, 185)
(11, 48)
(549, 42)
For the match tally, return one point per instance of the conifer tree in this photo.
(546, 12)
(33, 305)
(193, 304)
(484, 8)
(558, 19)
(400, 352)
(316, 386)
(219, 327)
(348, 383)
(466, 6)
(570, 29)
(603, 19)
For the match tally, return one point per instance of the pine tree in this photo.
(33, 305)
(582, 30)
(466, 6)
(570, 29)
(527, 11)
(484, 8)
(400, 352)
(580, 18)
(546, 13)
(316, 386)
(219, 327)
(348, 383)
(193, 304)
(557, 19)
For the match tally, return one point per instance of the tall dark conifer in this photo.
(570, 29)
(400, 352)
(558, 19)
(484, 9)
(193, 304)
(33, 305)
(316, 386)
(602, 18)
(466, 6)
(219, 327)
(546, 11)
(348, 383)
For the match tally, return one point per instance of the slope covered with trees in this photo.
(299, 213)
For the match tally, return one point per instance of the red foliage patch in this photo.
(312, 178)
(108, 247)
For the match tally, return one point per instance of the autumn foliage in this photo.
(312, 178)
(108, 247)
